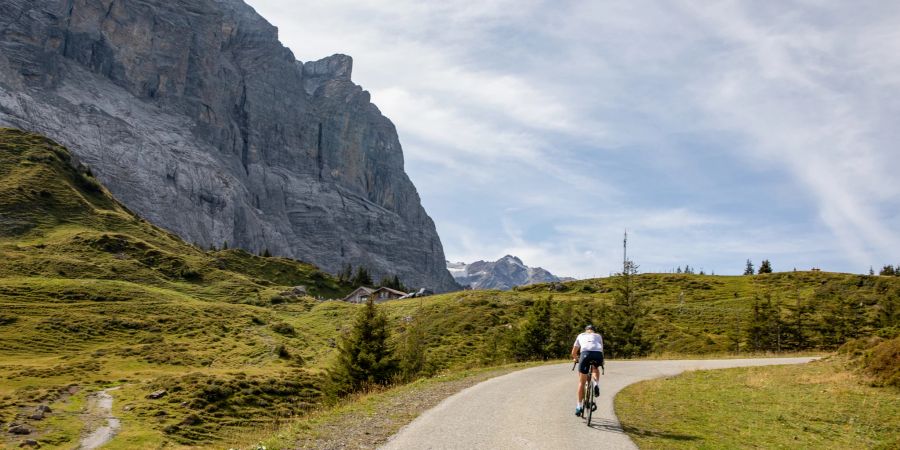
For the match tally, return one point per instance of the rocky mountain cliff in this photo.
(197, 118)
(503, 274)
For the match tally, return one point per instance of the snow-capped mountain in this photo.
(503, 274)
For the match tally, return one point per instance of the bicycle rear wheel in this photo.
(589, 404)
(585, 402)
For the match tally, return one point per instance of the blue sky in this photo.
(713, 131)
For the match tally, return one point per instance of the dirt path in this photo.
(534, 408)
(99, 409)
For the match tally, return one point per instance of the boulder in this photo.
(157, 394)
(19, 429)
(298, 290)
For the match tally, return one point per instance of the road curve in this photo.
(534, 408)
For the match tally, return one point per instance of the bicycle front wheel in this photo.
(589, 404)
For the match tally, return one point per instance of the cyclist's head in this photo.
(589, 328)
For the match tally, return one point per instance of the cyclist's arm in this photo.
(576, 349)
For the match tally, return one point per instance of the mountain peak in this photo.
(511, 258)
(503, 274)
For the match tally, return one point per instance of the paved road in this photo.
(534, 408)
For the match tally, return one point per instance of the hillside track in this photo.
(534, 408)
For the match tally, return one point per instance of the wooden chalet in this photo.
(380, 295)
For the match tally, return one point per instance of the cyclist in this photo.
(588, 348)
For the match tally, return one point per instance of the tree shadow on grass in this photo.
(612, 426)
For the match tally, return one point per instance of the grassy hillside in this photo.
(92, 296)
(688, 314)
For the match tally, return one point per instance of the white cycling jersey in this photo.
(589, 342)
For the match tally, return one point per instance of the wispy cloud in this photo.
(714, 132)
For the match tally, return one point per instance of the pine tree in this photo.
(871, 271)
(534, 337)
(365, 359)
(797, 323)
(765, 330)
(225, 246)
(748, 269)
(843, 317)
(888, 271)
(266, 253)
(765, 266)
(412, 356)
(346, 274)
(889, 311)
(393, 283)
(362, 277)
(625, 338)
(566, 323)
(398, 285)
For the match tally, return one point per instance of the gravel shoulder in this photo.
(534, 408)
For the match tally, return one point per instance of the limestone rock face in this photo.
(196, 117)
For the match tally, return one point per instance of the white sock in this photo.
(578, 404)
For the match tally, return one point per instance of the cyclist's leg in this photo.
(582, 377)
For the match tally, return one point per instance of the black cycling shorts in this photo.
(584, 362)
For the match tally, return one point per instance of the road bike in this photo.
(588, 404)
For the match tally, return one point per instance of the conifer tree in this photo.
(393, 283)
(362, 277)
(411, 355)
(346, 274)
(534, 337)
(764, 332)
(798, 323)
(567, 322)
(365, 359)
(625, 338)
(843, 317)
(889, 311)
(748, 269)
(765, 266)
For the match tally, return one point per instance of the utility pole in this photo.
(626, 268)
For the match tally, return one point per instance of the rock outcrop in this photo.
(503, 274)
(197, 118)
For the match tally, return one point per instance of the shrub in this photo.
(882, 363)
(283, 328)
